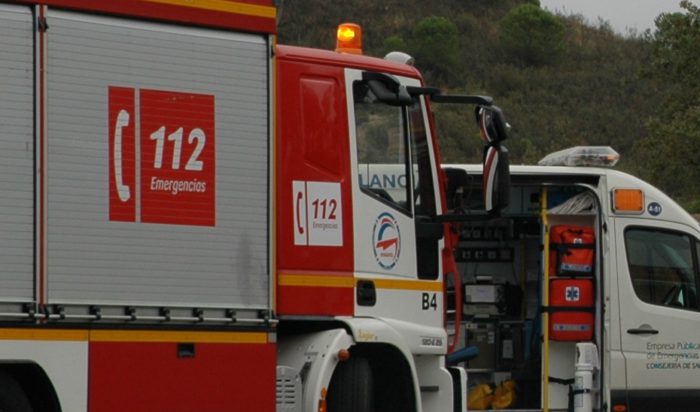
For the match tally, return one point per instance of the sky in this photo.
(622, 15)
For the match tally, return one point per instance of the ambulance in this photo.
(582, 294)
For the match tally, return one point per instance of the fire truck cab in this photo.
(363, 262)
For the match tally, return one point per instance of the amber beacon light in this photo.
(349, 39)
(628, 201)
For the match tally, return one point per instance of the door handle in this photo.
(645, 330)
(366, 293)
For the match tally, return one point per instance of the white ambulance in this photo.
(605, 323)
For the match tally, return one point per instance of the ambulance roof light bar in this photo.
(601, 156)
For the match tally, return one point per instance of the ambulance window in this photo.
(662, 267)
(382, 153)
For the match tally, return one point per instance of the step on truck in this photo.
(184, 225)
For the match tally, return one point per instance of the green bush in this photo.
(532, 36)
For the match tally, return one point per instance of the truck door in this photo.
(396, 250)
(657, 266)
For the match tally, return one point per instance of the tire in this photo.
(352, 387)
(12, 397)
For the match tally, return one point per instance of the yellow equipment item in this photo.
(480, 397)
(504, 397)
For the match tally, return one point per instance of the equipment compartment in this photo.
(503, 283)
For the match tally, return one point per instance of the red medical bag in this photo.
(571, 316)
(571, 250)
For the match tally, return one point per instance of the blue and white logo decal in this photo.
(386, 241)
(654, 209)
(572, 294)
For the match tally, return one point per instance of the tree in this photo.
(435, 43)
(675, 53)
(674, 132)
(531, 35)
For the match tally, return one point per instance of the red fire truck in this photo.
(185, 225)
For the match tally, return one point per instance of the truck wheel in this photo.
(12, 397)
(351, 388)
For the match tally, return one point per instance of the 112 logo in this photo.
(176, 161)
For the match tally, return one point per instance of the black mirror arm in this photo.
(436, 96)
(477, 100)
(419, 91)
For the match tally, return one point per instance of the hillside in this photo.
(560, 81)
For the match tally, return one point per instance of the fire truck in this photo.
(184, 226)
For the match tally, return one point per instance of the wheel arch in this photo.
(311, 347)
(35, 383)
(393, 376)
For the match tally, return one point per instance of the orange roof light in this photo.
(628, 200)
(349, 39)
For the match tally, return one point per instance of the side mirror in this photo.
(496, 183)
(494, 130)
(492, 124)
